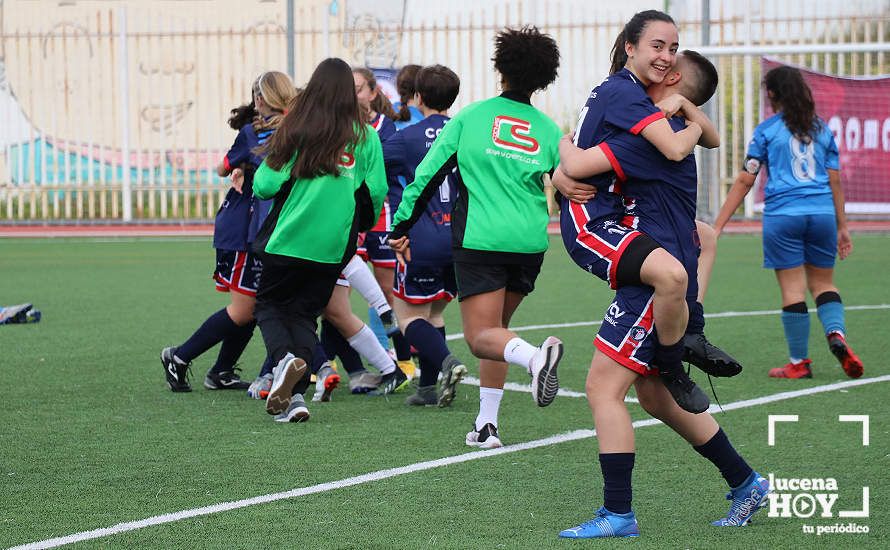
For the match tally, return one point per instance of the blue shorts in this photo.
(422, 284)
(791, 241)
(627, 334)
(375, 248)
(595, 248)
(237, 271)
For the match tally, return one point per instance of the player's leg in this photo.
(748, 489)
(606, 387)
(697, 349)
(222, 375)
(429, 343)
(644, 262)
(339, 312)
(783, 251)
(820, 251)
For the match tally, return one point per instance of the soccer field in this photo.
(93, 439)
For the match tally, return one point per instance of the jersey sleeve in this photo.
(387, 129)
(239, 152)
(395, 155)
(832, 156)
(631, 109)
(374, 173)
(428, 176)
(267, 181)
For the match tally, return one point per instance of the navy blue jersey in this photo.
(241, 214)
(384, 126)
(416, 116)
(431, 235)
(660, 195)
(619, 105)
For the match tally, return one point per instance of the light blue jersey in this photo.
(797, 181)
(416, 116)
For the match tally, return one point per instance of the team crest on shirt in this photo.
(347, 160)
(638, 334)
(513, 134)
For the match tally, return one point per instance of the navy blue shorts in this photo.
(237, 271)
(375, 248)
(422, 284)
(596, 248)
(791, 241)
(627, 334)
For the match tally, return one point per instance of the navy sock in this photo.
(215, 329)
(336, 345)
(429, 372)
(617, 469)
(720, 451)
(318, 358)
(696, 324)
(669, 359)
(403, 348)
(232, 348)
(428, 341)
(268, 365)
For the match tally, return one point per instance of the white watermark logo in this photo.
(807, 498)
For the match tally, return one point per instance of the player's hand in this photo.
(401, 247)
(573, 190)
(671, 105)
(844, 243)
(237, 178)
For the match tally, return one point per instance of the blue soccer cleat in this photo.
(746, 499)
(605, 525)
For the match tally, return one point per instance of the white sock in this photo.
(519, 352)
(360, 278)
(366, 344)
(489, 404)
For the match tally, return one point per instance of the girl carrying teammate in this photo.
(804, 223)
(502, 147)
(237, 269)
(424, 286)
(668, 213)
(324, 168)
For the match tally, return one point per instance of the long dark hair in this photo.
(325, 119)
(406, 88)
(792, 96)
(631, 33)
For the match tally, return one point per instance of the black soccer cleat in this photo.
(684, 391)
(176, 373)
(393, 382)
(709, 358)
(225, 380)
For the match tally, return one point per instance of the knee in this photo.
(673, 280)
(650, 404)
(240, 315)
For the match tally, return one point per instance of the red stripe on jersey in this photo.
(616, 166)
(612, 254)
(226, 164)
(616, 356)
(641, 125)
(377, 123)
(384, 219)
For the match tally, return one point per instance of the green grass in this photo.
(92, 437)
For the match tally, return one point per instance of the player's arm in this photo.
(577, 163)
(268, 181)
(429, 175)
(571, 189)
(375, 174)
(673, 145)
(844, 242)
(678, 104)
(395, 155)
(237, 154)
(740, 188)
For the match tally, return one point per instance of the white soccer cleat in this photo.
(486, 438)
(287, 373)
(545, 383)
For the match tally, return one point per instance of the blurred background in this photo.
(115, 111)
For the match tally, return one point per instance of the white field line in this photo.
(724, 314)
(473, 381)
(411, 468)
